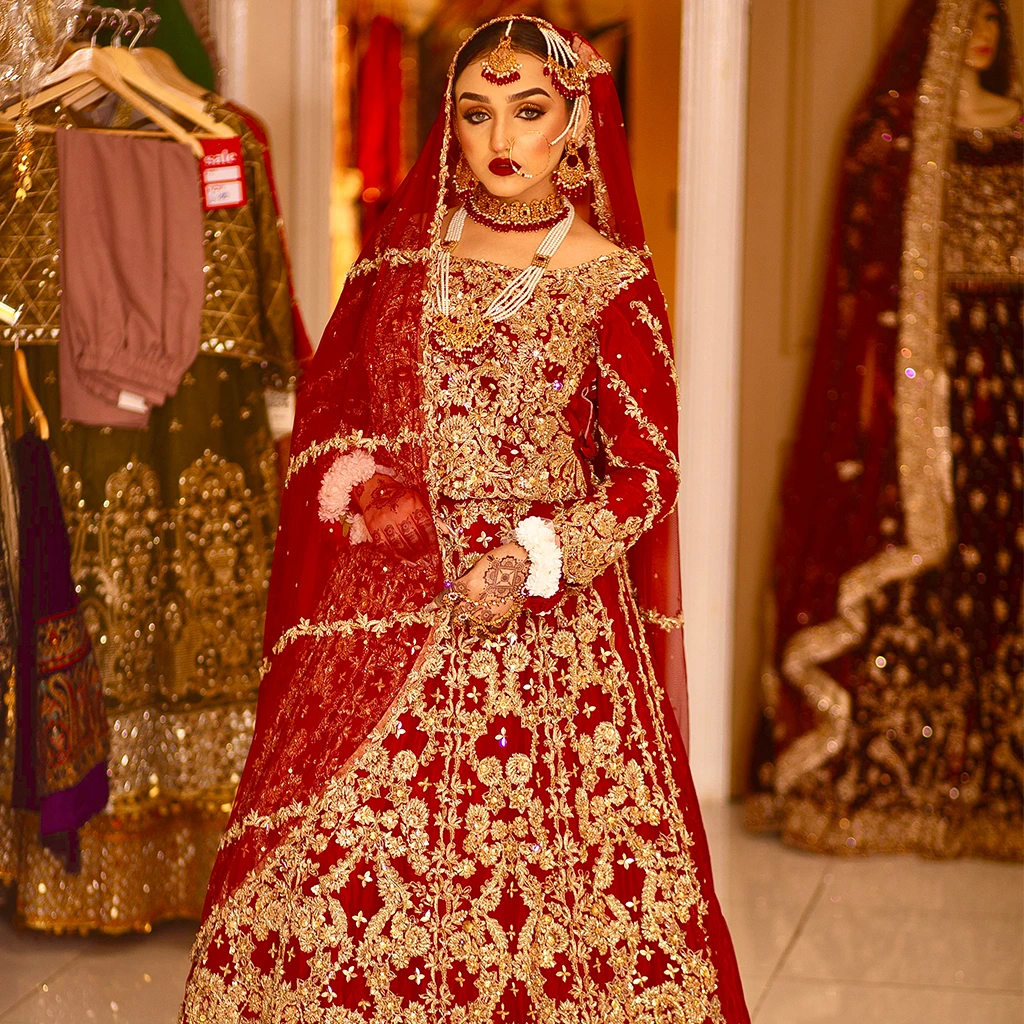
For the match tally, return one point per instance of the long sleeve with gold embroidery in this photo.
(637, 416)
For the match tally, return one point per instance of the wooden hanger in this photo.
(93, 70)
(139, 74)
(157, 76)
(24, 393)
(23, 390)
(161, 65)
(97, 62)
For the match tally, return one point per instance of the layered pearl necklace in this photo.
(466, 334)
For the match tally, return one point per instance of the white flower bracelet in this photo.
(347, 472)
(538, 538)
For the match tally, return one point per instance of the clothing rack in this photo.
(129, 24)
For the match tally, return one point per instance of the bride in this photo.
(468, 797)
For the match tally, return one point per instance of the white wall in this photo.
(277, 61)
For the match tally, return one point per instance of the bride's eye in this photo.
(530, 113)
(475, 116)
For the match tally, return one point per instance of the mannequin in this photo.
(894, 688)
(978, 106)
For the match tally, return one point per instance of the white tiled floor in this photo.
(881, 941)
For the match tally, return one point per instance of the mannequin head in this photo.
(988, 47)
(513, 136)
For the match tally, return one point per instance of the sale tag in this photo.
(223, 174)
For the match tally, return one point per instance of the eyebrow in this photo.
(512, 99)
(529, 92)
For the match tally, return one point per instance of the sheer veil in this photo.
(347, 623)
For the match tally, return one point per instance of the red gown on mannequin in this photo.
(895, 690)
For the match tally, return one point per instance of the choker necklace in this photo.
(465, 335)
(514, 215)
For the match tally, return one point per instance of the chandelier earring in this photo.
(465, 179)
(501, 66)
(571, 175)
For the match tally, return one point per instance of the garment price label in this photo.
(223, 174)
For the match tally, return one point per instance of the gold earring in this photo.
(465, 179)
(571, 176)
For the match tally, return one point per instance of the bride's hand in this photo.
(493, 588)
(397, 518)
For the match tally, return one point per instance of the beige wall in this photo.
(654, 119)
(809, 62)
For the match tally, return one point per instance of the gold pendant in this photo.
(463, 335)
(501, 66)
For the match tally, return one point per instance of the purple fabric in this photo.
(62, 812)
(62, 738)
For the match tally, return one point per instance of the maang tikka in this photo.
(501, 66)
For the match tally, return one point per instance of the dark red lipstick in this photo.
(501, 166)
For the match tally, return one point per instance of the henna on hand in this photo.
(493, 589)
(505, 577)
(397, 519)
(387, 493)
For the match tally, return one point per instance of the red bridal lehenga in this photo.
(434, 826)
(896, 691)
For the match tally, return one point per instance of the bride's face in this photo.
(984, 42)
(508, 128)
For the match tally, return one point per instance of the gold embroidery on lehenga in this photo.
(511, 832)
(353, 624)
(665, 622)
(219, 539)
(984, 234)
(635, 412)
(500, 429)
(590, 863)
(930, 758)
(396, 257)
(345, 442)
